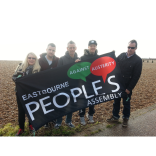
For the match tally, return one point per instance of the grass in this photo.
(94, 132)
(11, 130)
(110, 126)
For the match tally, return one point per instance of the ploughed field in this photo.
(143, 95)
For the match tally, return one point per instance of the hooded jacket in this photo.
(130, 68)
(87, 55)
(66, 59)
(44, 64)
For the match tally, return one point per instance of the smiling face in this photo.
(92, 48)
(31, 59)
(131, 49)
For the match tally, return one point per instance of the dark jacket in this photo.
(87, 55)
(18, 72)
(44, 64)
(130, 68)
(66, 59)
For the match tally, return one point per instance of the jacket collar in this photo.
(67, 55)
(86, 52)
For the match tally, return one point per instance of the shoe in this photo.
(31, 129)
(90, 118)
(82, 120)
(70, 125)
(57, 126)
(125, 122)
(112, 119)
(20, 132)
(46, 126)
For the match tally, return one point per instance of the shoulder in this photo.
(122, 54)
(56, 58)
(138, 57)
(83, 57)
(61, 58)
(42, 57)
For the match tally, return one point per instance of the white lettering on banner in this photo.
(79, 70)
(32, 111)
(39, 92)
(45, 91)
(49, 90)
(34, 94)
(85, 93)
(103, 65)
(24, 97)
(75, 96)
(75, 92)
(43, 106)
(103, 98)
(55, 103)
(112, 83)
(95, 89)
(66, 84)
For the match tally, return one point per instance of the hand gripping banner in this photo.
(53, 93)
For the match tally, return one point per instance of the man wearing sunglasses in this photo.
(48, 60)
(131, 67)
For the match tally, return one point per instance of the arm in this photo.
(18, 72)
(136, 75)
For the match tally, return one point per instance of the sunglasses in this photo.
(131, 47)
(31, 58)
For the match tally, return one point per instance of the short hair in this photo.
(52, 45)
(71, 42)
(134, 41)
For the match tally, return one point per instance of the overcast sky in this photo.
(28, 26)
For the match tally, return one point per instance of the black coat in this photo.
(44, 63)
(66, 59)
(87, 55)
(130, 68)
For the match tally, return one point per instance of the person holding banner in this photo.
(69, 57)
(131, 67)
(29, 66)
(48, 60)
(88, 53)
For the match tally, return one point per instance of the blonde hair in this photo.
(36, 66)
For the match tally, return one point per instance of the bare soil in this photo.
(143, 94)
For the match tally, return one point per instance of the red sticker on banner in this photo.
(103, 66)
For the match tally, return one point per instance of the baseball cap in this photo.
(92, 42)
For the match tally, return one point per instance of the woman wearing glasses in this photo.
(29, 66)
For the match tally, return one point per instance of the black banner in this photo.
(56, 92)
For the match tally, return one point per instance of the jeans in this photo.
(126, 109)
(68, 119)
(91, 111)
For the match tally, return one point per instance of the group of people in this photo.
(130, 64)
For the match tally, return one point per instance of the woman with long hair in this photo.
(29, 66)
